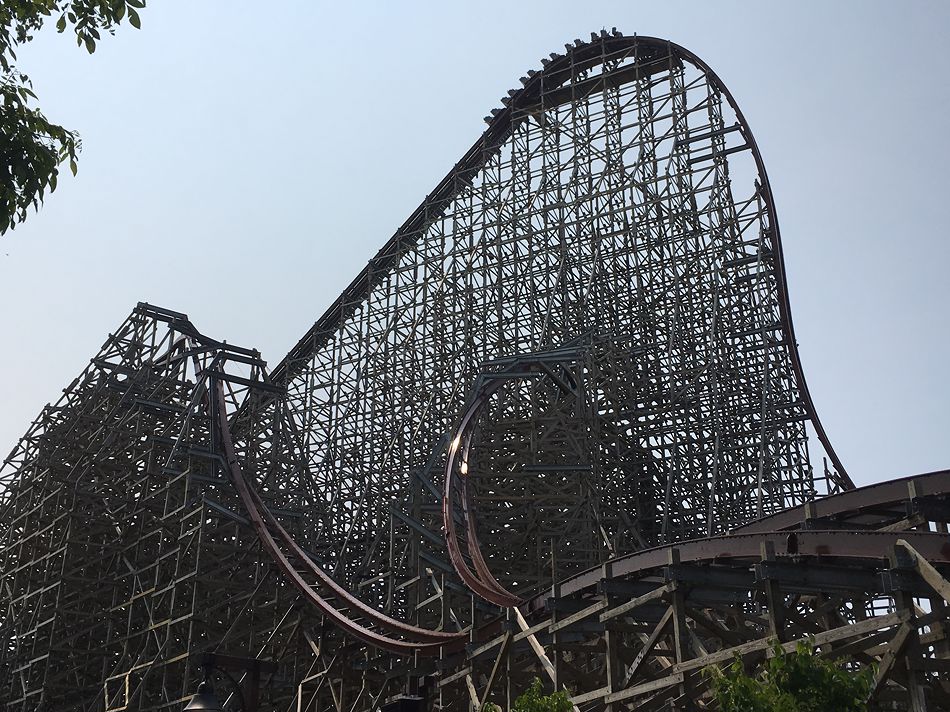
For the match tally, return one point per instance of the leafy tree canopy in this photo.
(533, 700)
(31, 147)
(800, 681)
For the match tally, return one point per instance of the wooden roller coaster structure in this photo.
(557, 427)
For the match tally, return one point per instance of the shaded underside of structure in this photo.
(531, 437)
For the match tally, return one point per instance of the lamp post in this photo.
(204, 699)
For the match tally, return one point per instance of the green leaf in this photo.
(34, 148)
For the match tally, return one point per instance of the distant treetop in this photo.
(31, 147)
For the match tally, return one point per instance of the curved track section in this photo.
(852, 545)
(896, 503)
(640, 630)
(354, 614)
(518, 108)
(618, 200)
(618, 193)
(435, 304)
(456, 489)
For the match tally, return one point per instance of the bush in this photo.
(534, 701)
(800, 681)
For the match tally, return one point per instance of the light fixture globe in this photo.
(204, 700)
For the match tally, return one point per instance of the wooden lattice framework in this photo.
(614, 228)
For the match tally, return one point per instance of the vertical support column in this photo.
(470, 679)
(510, 624)
(681, 641)
(444, 612)
(556, 658)
(775, 600)
(809, 514)
(415, 592)
(901, 563)
(942, 626)
(612, 640)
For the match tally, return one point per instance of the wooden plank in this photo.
(497, 666)
(927, 572)
(455, 676)
(866, 645)
(674, 679)
(538, 649)
(471, 693)
(536, 646)
(590, 696)
(482, 649)
(635, 603)
(579, 616)
(647, 647)
(846, 631)
(904, 524)
(533, 630)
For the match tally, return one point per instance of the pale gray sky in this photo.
(243, 160)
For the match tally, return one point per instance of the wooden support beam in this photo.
(927, 572)
(773, 592)
(535, 645)
(915, 520)
(828, 636)
(473, 695)
(894, 648)
(674, 679)
(905, 604)
(647, 647)
(635, 603)
(537, 648)
(502, 655)
(682, 645)
(612, 640)
(449, 679)
(579, 616)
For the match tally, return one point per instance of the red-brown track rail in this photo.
(872, 506)
(481, 580)
(830, 543)
(859, 511)
(418, 640)
(858, 515)
(500, 127)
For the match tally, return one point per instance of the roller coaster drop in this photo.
(558, 426)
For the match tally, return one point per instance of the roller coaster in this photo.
(557, 427)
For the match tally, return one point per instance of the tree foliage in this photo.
(534, 700)
(799, 681)
(32, 148)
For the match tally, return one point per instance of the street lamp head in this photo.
(204, 700)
